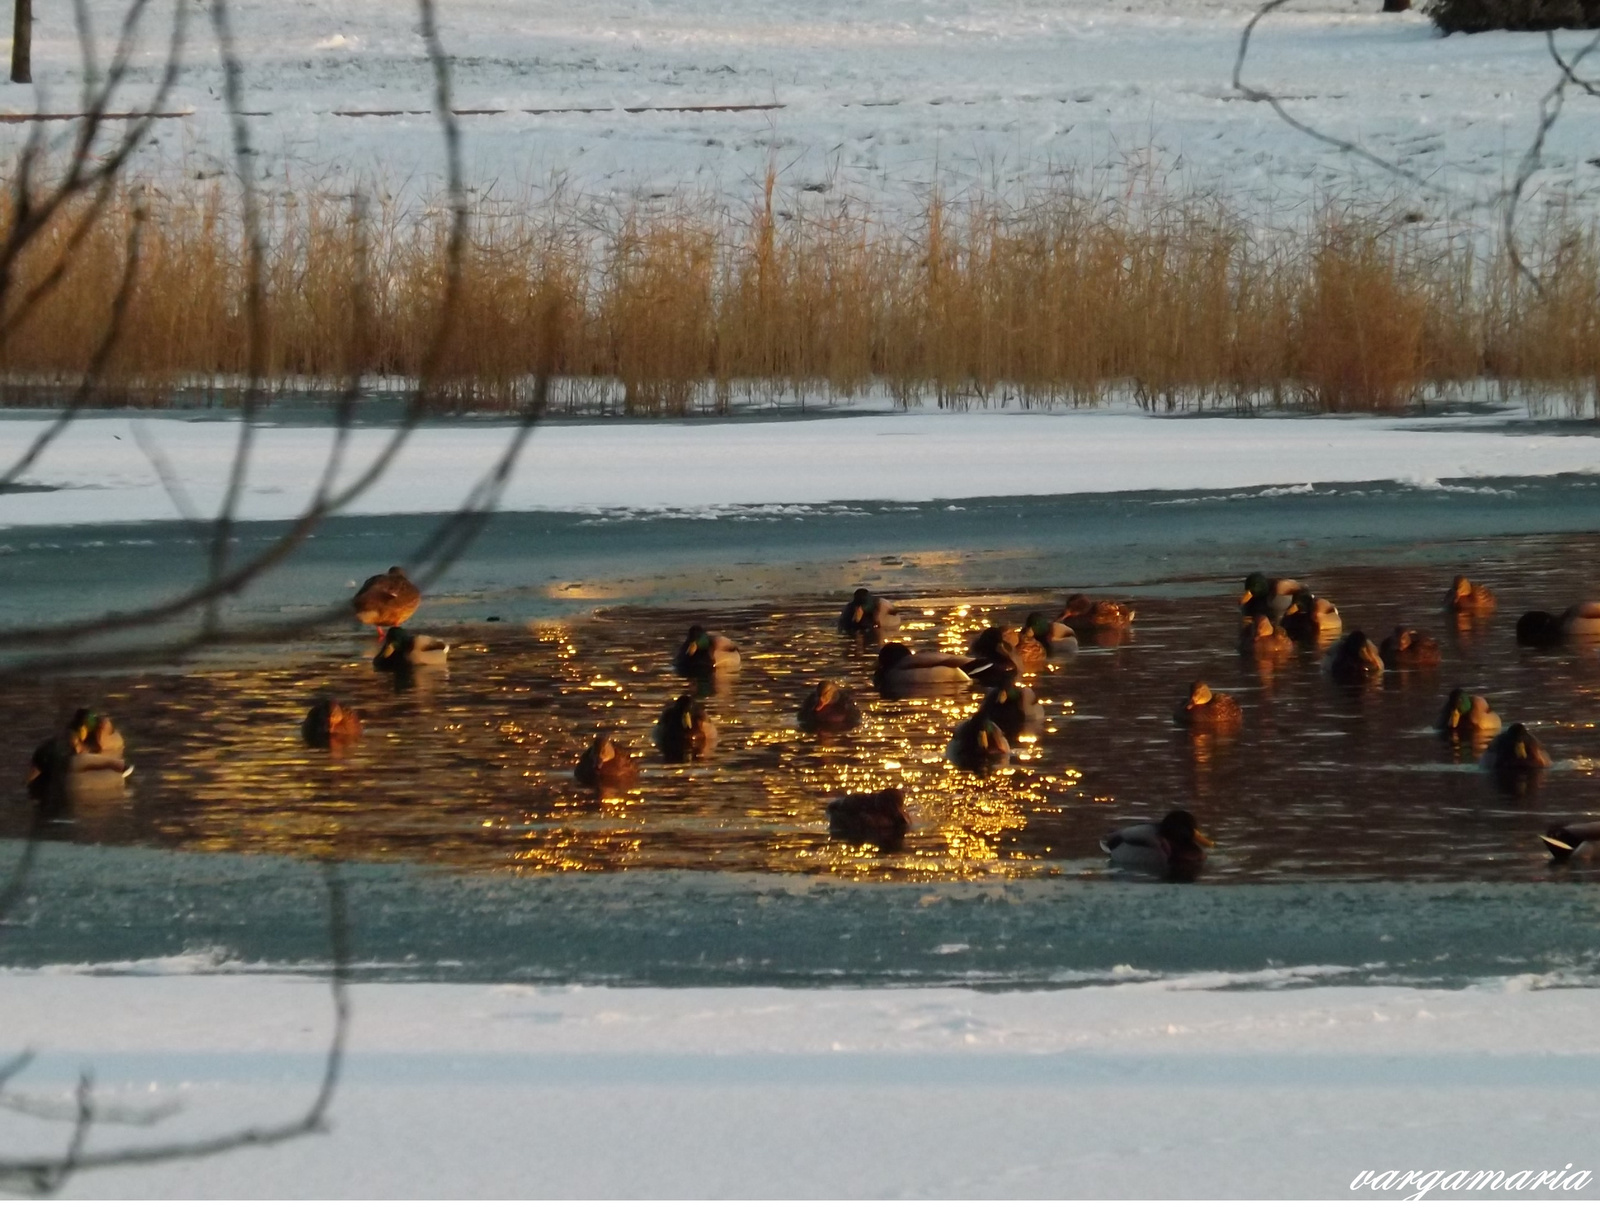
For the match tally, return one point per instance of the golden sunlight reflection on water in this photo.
(472, 766)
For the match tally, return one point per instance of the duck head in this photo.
(1256, 587)
(1199, 694)
(1457, 706)
(1181, 830)
(1079, 604)
(1361, 654)
(1523, 750)
(1038, 626)
(892, 654)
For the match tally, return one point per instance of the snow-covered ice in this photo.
(878, 99)
(513, 1090)
(101, 472)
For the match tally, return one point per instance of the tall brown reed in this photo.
(1063, 298)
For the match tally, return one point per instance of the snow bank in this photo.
(463, 1090)
(101, 474)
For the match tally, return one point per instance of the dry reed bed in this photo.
(1182, 301)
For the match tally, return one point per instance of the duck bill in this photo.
(1244, 598)
(1203, 839)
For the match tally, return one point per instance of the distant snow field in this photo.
(105, 469)
(1163, 1089)
(876, 99)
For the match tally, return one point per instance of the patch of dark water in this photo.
(471, 767)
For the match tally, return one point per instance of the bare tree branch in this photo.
(46, 1174)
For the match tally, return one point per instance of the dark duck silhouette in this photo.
(878, 818)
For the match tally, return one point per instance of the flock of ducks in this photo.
(87, 757)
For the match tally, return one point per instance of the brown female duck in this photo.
(1207, 711)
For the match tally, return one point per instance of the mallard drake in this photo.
(1568, 841)
(1204, 710)
(1268, 595)
(1353, 659)
(1407, 648)
(1536, 629)
(978, 746)
(330, 724)
(704, 652)
(1467, 714)
(605, 767)
(879, 817)
(1310, 619)
(1465, 597)
(685, 732)
(829, 708)
(401, 648)
(1053, 635)
(867, 614)
(1015, 708)
(1582, 620)
(386, 600)
(1515, 751)
(1261, 637)
(86, 759)
(1171, 848)
(1081, 612)
(902, 672)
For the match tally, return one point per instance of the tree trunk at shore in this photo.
(22, 41)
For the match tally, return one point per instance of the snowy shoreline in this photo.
(98, 470)
(477, 1090)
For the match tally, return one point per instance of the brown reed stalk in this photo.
(1067, 297)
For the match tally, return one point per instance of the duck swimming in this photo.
(1268, 595)
(1514, 756)
(829, 708)
(866, 614)
(1537, 629)
(1054, 636)
(605, 767)
(1015, 708)
(1353, 659)
(1261, 637)
(704, 652)
(879, 818)
(1568, 841)
(330, 724)
(1309, 618)
(1406, 648)
(978, 746)
(902, 672)
(1465, 597)
(84, 760)
(996, 650)
(1467, 714)
(1171, 848)
(685, 732)
(386, 600)
(1081, 612)
(401, 649)
(1204, 710)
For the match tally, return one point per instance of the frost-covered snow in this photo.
(102, 473)
(1153, 1090)
(874, 98)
